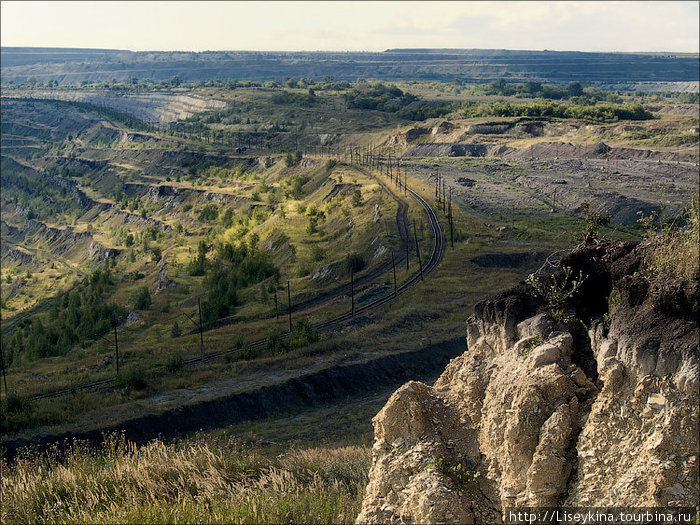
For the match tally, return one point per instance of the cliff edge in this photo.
(586, 401)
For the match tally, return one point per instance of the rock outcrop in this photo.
(542, 412)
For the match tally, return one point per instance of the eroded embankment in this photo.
(591, 402)
(330, 385)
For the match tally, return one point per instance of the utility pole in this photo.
(352, 293)
(277, 312)
(443, 195)
(418, 250)
(393, 266)
(289, 306)
(2, 356)
(452, 237)
(116, 349)
(407, 254)
(201, 332)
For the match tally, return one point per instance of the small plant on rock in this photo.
(460, 472)
(532, 343)
(558, 292)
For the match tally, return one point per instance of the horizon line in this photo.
(342, 51)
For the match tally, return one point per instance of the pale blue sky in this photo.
(353, 26)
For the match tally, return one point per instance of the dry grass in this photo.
(194, 482)
(676, 251)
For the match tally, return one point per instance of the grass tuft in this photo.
(192, 482)
(675, 250)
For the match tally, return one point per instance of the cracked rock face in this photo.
(516, 422)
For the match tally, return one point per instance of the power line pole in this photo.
(452, 238)
(201, 331)
(289, 306)
(443, 195)
(352, 293)
(420, 263)
(2, 362)
(277, 312)
(116, 345)
(393, 266)
(407, 240)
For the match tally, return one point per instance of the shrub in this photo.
(312, 226)
(303, 334)
(558, 292)
(293, 159)
(275, 344)
(246, 353)
(460, 472)
(156, 253)
(132, 376)
(355, 263)
(594, 221)
(357, 198)
(175, 331)
(317, 253)
(174, 363)
(209, 213)
(15, 412)
(142, 299)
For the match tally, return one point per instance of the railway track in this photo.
(436, 254)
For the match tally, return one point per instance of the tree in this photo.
(575, 89)
(293, 159)
(355, 263)
(175, 330)
(142, 299)
(156, 253)
(357, 198)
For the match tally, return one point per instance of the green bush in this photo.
(594, 221)
(275, 344)
(209, 213)
(246, 353)
(174, 363)
(141, 300)
(357, 198)
(355, 263)
(293, 159)
(554, 291)
(303, 334)
(547, 108)
(15, 412)
(132, 376)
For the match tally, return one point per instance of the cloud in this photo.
(585, 26)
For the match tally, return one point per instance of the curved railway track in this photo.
(430, 264)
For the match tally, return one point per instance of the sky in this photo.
(353, 26)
